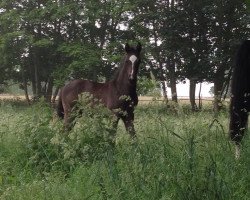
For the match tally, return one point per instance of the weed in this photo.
(177, 155)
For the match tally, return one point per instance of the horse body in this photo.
(240, 97)
(119, 95)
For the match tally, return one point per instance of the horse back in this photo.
(107, 93)
(70, 92)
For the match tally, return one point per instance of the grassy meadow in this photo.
(177, 155)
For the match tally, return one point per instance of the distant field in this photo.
(142, 99)
(182, 99)
(8, 96)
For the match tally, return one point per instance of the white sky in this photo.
(183, 89)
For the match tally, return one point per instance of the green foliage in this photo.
(146, 86)
(83, 59)
(36, 136)
(248, 4)
(45, 43)
(50, 147)
(92, 134)
(179, 155)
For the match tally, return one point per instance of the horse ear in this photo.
(127, 47)
(138, 47)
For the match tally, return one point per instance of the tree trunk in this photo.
(172, 80)
(192, 88)
(38, 87)
(55, 95)
(218, 84)
(160, 61)
(25, 89)
(48, 93)
(200, 100)
(164, 90)
(174, 91)
(36, 83)
(33, 85)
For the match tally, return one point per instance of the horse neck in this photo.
(124, 86)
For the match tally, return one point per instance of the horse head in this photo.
(132, 60)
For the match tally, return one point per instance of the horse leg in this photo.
(237, 151)
(114, 125)
(129, 124)
(113, 130)
(238, 124)
(66, 120)
(67, 117)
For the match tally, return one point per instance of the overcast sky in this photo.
(183, 89)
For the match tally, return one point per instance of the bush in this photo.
(49, 146)
(36, 137)
(146, 86)
(92, 134)
(177, 156)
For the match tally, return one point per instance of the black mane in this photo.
(118, 69)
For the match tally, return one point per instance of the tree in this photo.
(56, 40)
(45, 43)
(156, 35)
(192, 43)
(228, 27)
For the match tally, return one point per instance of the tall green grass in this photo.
(177, 155)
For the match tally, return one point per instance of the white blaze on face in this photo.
(132, 58)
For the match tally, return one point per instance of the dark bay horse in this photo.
(111, 93)
(240, 97)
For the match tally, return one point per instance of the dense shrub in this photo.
(92, 133)
(49, 146)
(179, 155)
